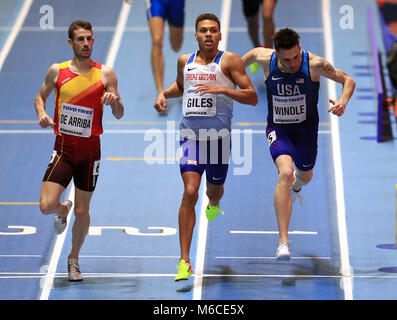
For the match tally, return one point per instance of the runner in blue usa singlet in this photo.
(292, 121)
(293, 83)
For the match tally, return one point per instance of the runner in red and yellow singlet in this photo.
(82, 86)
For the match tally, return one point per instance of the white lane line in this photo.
(202, 242)
(5, 275)
(274, 258)
(48, 279)
(25, 131)
(337, 159)
(225, 23)
(20, 255)
(242, 29)
(14, 31)
(203, 222)
(118, 35)
(168, 123)
(146, 257)
(112, 131)
(130, 257)
(270, 232)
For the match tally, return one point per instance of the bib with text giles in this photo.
(76, 120)
(196, 105)
(289, 109)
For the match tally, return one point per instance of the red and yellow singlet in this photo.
(78, 124)
(78, 107)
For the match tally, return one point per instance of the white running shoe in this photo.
(60, 223)
(74, 270)
(296, 195)
(283, 253)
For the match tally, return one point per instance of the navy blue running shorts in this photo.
(209, 156)
(302, 147)
(171, 10)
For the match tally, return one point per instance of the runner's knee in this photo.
(80, 211)
(176, 46)
(190, 194)
(157, 42)
(286, 176)
(176, 42)
(47, 207)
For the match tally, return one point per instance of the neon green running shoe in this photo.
(184, 270)
(254, 67)
(212, 211)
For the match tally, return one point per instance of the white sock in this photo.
(298, 184)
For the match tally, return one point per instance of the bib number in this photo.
(76, 120)
(271, 137)
(289, 109)
(196, 105)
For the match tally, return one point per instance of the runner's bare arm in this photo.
(324, 68)
(260, 55)
(233, 67)
(39, 103)
(175, 89)
(111, 96)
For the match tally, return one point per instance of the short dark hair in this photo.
(208, 16)
(285, 39)
(78, 24)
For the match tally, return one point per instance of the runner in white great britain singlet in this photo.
(209, 111)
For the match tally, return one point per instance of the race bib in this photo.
(196, 105)
(271, 137)
(289, 109)
(95, 172)
(54, 153)
(76, 120)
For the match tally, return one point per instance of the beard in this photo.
(82, 54)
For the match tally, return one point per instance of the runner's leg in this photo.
(282, 197)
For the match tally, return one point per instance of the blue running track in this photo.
(133, 247)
